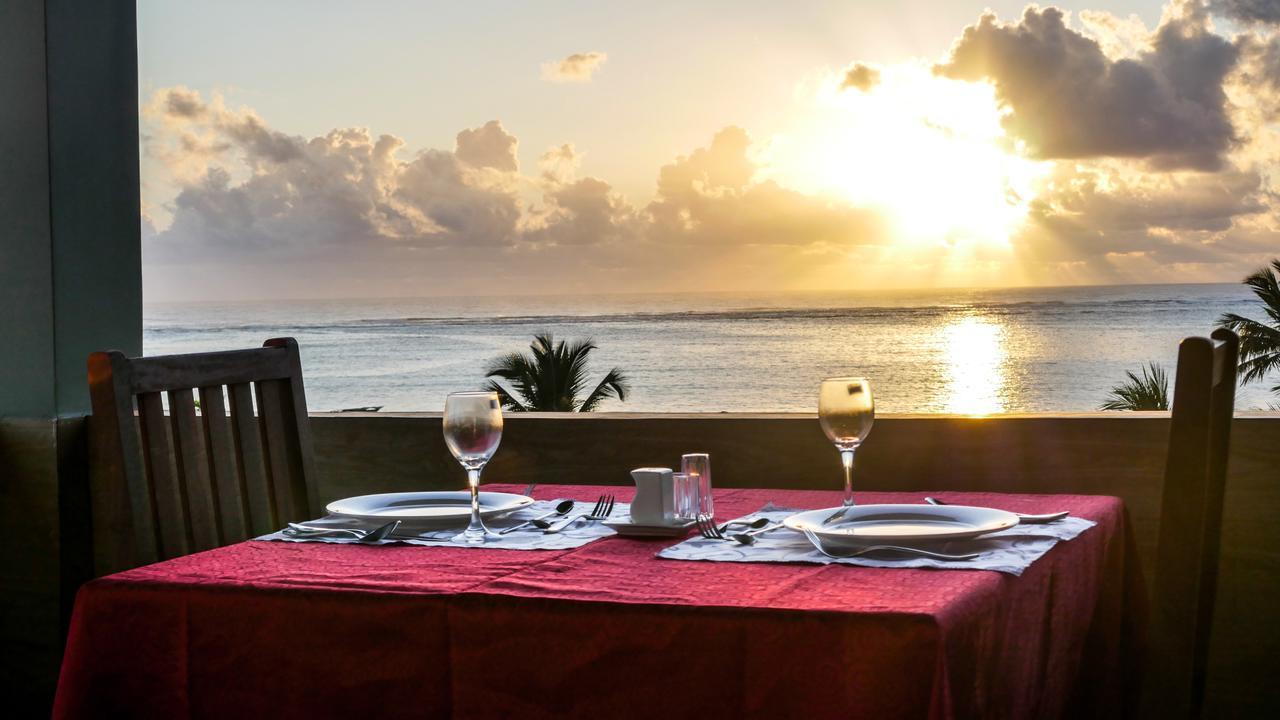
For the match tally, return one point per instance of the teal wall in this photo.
(70, 255)
(26, 273)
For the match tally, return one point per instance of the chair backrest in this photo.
(196, 481)
(1191, 521)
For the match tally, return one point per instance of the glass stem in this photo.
(476, 527)
(846, 459)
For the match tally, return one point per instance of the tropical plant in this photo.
(552, 378)
(1259, 341)
(1149, 392)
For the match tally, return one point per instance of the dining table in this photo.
(610, 630)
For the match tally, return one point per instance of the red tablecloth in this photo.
(283, 630)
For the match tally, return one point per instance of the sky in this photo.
(395, 149)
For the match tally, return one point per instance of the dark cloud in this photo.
(1249, 11)
(184, 103)
(860, 76)
(1088, 214)
(1066, 99)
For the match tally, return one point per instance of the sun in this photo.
(927, 151)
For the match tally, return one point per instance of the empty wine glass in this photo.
(472, 430)
(846, 410)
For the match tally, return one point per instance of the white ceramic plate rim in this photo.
(966, 522)
(365, 507)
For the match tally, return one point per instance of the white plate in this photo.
(423, 509)
(864, 524)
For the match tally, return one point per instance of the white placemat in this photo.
(531, 538)
(1010, 551)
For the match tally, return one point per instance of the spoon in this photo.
(1022, 518)
(562, 508)
(757, 523)
(749, 538)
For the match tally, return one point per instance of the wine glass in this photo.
(846, 410)
(472, 430)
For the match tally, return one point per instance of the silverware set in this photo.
(561, 510)
(707, 528)
(601, 511)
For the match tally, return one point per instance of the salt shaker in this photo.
(654, 503)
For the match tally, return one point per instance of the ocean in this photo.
(938, 351)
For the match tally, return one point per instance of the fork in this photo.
(603, 507)
(884, 548)
(707, 527)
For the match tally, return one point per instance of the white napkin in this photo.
(531, 538)
(1009, 551)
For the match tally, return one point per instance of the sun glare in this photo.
(975, 357)
(928, 151)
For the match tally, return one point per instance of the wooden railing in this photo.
(1099, 453)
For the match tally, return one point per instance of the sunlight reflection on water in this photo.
(975, 357)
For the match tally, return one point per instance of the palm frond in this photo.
(509, 401)
(520, 373)
(614, 384)
(1259, 341)
(551, 377)
(1149, 392)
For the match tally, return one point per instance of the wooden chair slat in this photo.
(223, 468)
(166, 486)
(193, 470)
(282, 459)
(233, 367)
(297, 419)
(127, 536)
(258, 495)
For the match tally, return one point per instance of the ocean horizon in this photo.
(967, 351)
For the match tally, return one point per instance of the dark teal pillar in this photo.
(70, 283)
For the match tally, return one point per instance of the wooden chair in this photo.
(1191, 524)
(199, 481)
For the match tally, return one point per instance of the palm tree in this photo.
(1149, 392)
(552, 378)
(1259, 341)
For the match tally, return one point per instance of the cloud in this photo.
(488, 146)
(1065, 98)
(860, 76)
(712, 197)
(183, 103)
(577, 68)
(360, 204)
(1094, 213)
(558, 164)
(1249, 11)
